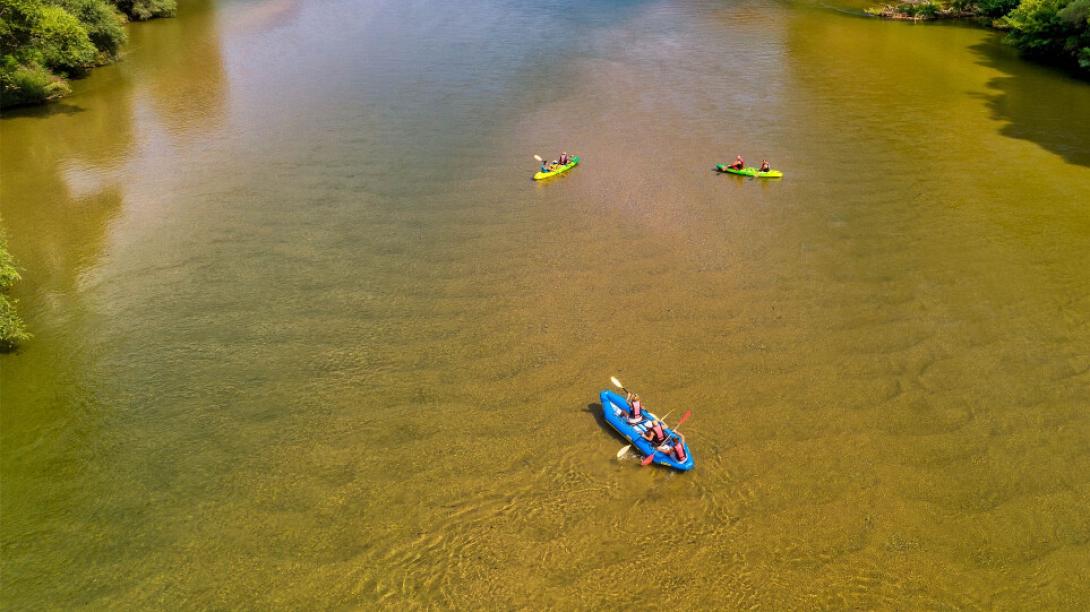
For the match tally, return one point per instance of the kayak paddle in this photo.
(618, 383)
(684, 417)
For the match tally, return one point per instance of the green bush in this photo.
(985, 8)
(43, 40)
(12, 329)
(994, 8)
(1055, 29)
(147, 9)
(102, 22)
(17, 20)
(9, 275)
(1077, 15)
(926, 10)
(28, 84)
(63, 43)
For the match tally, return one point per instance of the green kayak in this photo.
(749, 172)
(559, 170)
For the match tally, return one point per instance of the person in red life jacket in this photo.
(654, 433)
(564, 159)
(675, 450)
(739, 163)
(637, 408)
(765, 166)
(679, 449)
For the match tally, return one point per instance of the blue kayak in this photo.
(616, 410)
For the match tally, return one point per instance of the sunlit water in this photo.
(305, 331)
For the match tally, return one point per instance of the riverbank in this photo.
(44, 43)
(919, 11)
(1057, 31)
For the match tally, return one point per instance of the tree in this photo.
(1052, 29)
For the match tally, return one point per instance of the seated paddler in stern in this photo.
(675, 448)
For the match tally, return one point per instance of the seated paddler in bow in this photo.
(636, 407)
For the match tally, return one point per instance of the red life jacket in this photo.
(637, 409)
(657, 437)
(679, 451)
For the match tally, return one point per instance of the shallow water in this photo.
(306, 331)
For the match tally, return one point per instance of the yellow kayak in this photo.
(749, 172)
(562, 169)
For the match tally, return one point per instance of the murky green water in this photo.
(306, 332)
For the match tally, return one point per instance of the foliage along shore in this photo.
(1057, 31)
(12, 329)
(43, 43)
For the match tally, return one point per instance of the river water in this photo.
(305, 331)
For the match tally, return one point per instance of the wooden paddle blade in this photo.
(648, 459)
(622, 452)
(538, 158)
(616, 382)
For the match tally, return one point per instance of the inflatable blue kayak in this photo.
(616, 410)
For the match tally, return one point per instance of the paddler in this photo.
(654, 433)
(738, 164)
(675, 450)
(564, 160)
(545, 167)
(765, 166)
(637, 408)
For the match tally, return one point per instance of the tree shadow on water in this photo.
(42, 111)
(1041, 104)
